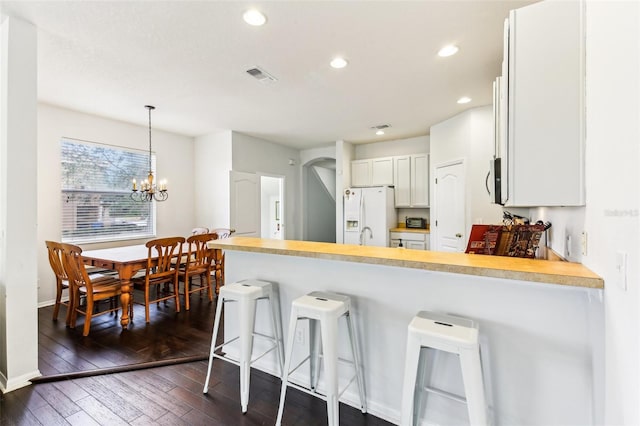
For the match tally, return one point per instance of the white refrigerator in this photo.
(368, 215)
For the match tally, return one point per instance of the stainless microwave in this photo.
(416, 222)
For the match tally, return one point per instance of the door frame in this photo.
(283, 199)
(434, 204)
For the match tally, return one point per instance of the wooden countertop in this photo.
(534, 270)
(412, 230)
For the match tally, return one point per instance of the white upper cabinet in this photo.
(544, 147)
(382, 171)
(411, 180)
(402, 182)
(372, 172)
(420, 180)
(361, 173)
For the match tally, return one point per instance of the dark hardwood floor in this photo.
(167, 395)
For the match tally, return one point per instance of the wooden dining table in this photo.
(126, 260)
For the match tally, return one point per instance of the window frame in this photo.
(85, 235)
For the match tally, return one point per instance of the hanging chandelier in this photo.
(149, 191)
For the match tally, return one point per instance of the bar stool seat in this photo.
(246, 293)
(323, 310)
(450, 334)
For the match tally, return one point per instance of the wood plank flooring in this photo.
(169, 395)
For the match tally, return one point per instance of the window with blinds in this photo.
(96, 188)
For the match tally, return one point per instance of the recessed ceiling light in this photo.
(448, 50)
(464, 100)
(380, 132)
(339, 62)
(254, 17)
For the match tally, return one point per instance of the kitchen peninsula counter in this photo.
(411, 230)
(534, 270)
(541, 323)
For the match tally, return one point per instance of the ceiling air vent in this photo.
(381, 127)
(261, 75)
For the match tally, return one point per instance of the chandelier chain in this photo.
(149, 190)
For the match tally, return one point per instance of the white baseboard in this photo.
(8, 385)
(50, 302)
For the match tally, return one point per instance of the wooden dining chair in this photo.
(218, 258)
(82, 287)
(198, 231)
(161, 273)
(62, 281)
(198, 263)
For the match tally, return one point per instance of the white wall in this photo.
(416, 145)
(212, 163)
(269, 193)
(610, 217)
(345, 153)
(480, 152)
(174, 159)
(253, 155)
(308, 157)
(320, 207)
(613, 190)
(468, 136)
(312, 154)
(567, 225)
(18, 204)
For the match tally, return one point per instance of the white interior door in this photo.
(244, 195)
(272, 201)
(450, 208)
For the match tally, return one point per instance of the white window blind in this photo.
(96, 188)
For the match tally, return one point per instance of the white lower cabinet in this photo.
(410, 240)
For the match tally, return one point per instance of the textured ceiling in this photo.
(189, 60)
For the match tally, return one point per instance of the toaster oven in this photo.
(416, 222)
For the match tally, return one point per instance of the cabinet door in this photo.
(402, 180)
(546, 105)
(416, 245)
(420, 180)
(361, 173)
(382, 171)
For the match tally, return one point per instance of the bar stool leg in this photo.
(410, 374)
(473, 385)
(247, 312)
(329, 331)
(355, 350)
(277, 327)
(214, 337)
(287, 364)
(314, 353)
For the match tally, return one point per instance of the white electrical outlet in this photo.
(583, 243)
(567, 247)
(621, 269)
(300, 335)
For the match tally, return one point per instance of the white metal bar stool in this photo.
(246, 293)
(450, 334)
(323, 309)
